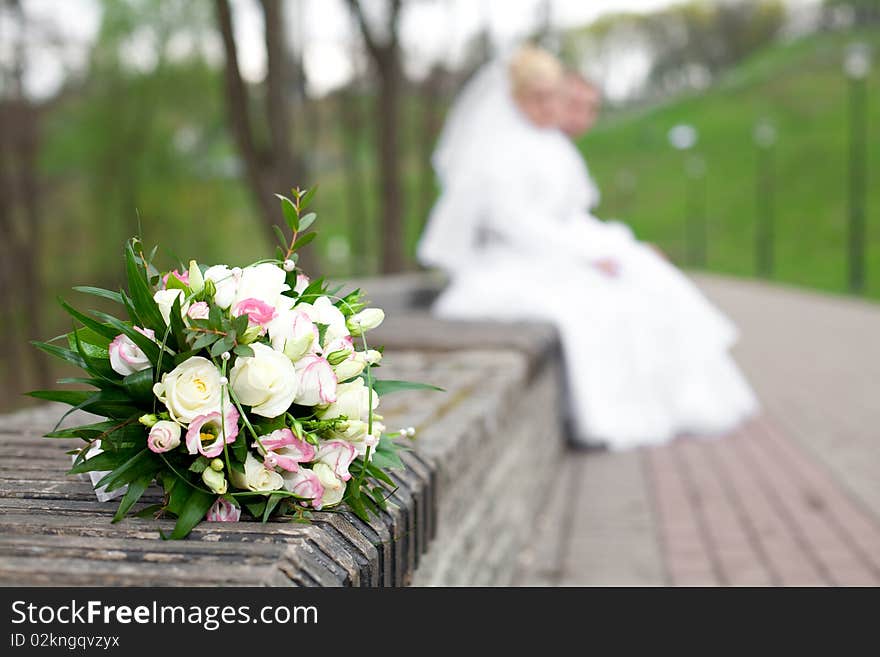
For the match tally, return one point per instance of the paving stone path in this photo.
(792, 498)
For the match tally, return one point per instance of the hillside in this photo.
(800, 88)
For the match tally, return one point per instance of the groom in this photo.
(579, 110)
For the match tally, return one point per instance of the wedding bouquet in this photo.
(236, 389)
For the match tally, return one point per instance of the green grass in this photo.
(800, 88)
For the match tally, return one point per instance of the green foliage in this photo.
(799, 87)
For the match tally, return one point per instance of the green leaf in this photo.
(240, 324)
(239, 448)
(101, 329)
(86, 431)
(256, 509)
(225, 344)
(307, 221)
(136, 488)
(205, 340)
(193, 512)
(99, 292)
(280, 235)
(139, 464)
(72, 397)
(388, 386)
(102, 461)
(290, 214)
(63, 354)
(244, 351)
(200, 465)
(145, 344)
(140, 385)
(141, 294)
(302, 241)
(271, 503)
(149, 511)
(306, 199)
(177, 327)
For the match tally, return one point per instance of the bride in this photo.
(646, 356)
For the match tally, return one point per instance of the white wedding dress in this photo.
(646, 355)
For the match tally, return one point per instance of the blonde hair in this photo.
(531, 67)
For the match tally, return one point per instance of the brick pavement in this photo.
(792, 498)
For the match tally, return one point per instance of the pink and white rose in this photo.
(205, 434)
(256, 476)
(304, 484)
(281, 449)
(339, 455)
(317, 381)
(352, 401)
(332, 485)
(199, 310)
(164, 436)
(259, 312)
(222, 510)
(126, 357)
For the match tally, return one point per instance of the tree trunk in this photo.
(273, 170)
(388, 126)
(358, 219)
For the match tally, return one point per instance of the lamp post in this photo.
(683, 138)
(765, 233)
(857, 66)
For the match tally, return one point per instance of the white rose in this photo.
(351, 367)
(352, 401)
(266, 381)
(317, 382)
(334, 487)
(324, 312)
(293, 333)
(365, 320)
(190, 389)
(225, 283)
(165, 300)
(256, 476)
(264, 282)
(126, 357)
(356, 432)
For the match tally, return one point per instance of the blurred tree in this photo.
(21, 215)
(271, 167)
(862, 12)
(383, 45)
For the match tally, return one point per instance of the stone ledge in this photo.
(461, 510)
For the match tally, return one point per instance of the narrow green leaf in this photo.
(136, 488)
(145, 344)
(388, 386)
(140, 385)
(271, 503)
(99, 292)
(193, 512)
(101, 329)
(282, 240)
(63, 354)
(141, 294)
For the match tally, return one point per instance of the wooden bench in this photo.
(462, 512)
